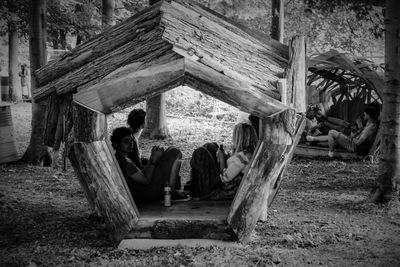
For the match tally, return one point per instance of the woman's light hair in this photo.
(244, 138)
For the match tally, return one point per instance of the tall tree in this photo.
(13, 44)
(389, 168)
(277, 24)
(156, 125)
(107, 18)
(37, 152)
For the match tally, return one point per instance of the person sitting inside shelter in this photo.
(359, 142)
(147, 184)
(136, 121)
(214, 174)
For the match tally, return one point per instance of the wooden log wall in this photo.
(99, 174)
(130, 86)
(235, 92)
(58, 120)
(266, 166)
(297, 74)
(287, 156)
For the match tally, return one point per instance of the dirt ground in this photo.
(320, 216)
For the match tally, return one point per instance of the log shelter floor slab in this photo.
(190, 210)
(184, 220)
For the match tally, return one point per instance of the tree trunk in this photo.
(107, 19)
(277, 23)
(389, 168)
(156, 127)
(36, 151)
(15, 93)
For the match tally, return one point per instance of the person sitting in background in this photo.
(147, 184)
(359, 142)
(24, 84)
(216, 175)
(312, 125)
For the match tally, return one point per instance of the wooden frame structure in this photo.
(169, 44)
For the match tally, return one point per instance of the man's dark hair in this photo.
(375, 105)
(136, 119)
(118, 134)
(372, 111)
(255, 122)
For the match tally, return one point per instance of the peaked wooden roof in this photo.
(169, 44)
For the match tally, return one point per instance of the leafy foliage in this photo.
(20, 9)
(349, 26)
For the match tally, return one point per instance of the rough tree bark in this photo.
(15, 93)
(99, 174)
(389, 167)
(107, 18)
(37, 153)
(156, 125)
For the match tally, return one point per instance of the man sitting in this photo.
(358, 142)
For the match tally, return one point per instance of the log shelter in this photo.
(169, 44)
(342, 85)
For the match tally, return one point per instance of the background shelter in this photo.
(342, 86)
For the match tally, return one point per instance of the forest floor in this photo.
(319, 217)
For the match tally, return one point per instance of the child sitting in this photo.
(214, 174)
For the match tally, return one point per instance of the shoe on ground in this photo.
(179, 196)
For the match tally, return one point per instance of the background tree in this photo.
(37, 153)
(389, 168)
(277, 23)
(13, 44)
(156, 126)
(12, 23)
(107, 18)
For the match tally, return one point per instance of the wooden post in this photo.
(282, 87)
(99, 174)
(269, 160)
(293, 93)
(296, 74)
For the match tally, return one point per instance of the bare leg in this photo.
(332, 136)
(174, 175)
(319, 139)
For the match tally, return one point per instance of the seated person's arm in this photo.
(365, 133)
(133, 173)
(156, 153)
(235, 165)
(221, 159)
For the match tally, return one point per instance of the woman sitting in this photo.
(216, 175)
(147, 184)
(359, 142)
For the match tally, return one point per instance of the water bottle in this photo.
(167, 195)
